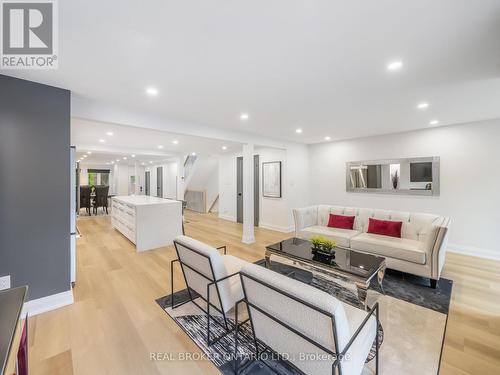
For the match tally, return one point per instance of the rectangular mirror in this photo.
(414, 176)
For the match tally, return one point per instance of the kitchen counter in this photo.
(143, 200)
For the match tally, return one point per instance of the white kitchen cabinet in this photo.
(148, 222)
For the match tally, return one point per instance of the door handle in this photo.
(239, 194)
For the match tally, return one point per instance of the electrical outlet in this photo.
(5, 282)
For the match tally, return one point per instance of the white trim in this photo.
(44, 304)
(474, 251)
(227, 217)
(277, 228)
(248, 240)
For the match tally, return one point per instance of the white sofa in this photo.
(420, 250)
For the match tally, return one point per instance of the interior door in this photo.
(159, 182)
(147, 179)
(239, 189)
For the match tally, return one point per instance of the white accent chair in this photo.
(212, 276)
(293, 319)
(420, 250)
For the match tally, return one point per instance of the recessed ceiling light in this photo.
(112, 162)
(224, 148)
(102, 140)
(160, 147)
(327, 138)
(150, 162)
(124, 158)
(110, 133)
(133, 155)
(117, 159)
(298, 131)
(175, 141)
(85, 156)
(433, 122)
(143, 163)
(423, 105)
(89, 152)
(152, 91)
(193, 153)
(394, 65)
(244, 116)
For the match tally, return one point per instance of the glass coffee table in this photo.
(360, 268)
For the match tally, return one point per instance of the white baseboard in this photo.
(277, 228)
(226, 217)
(474, 251)
(248, 240)
(44, 304)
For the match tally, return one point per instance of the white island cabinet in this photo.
(148, 222)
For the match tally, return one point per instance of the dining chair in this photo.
(101, 198)
(85, 200)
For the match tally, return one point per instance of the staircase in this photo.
(189, 168)
(201, 183)
(215, 205)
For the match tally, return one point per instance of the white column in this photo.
(248, 201)
(180, 178)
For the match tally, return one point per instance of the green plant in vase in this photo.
(323, 244)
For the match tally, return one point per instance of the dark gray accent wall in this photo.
(35, 186)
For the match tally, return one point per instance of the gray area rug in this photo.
(402, 287)
(409, 288)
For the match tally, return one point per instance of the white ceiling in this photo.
(318, 64)
(110, 158)
(144, 143)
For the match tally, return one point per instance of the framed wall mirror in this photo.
(413, 176)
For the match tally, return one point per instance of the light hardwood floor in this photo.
(115, 324)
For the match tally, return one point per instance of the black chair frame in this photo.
(336, 366)
(213, 281)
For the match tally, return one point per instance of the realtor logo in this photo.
(29, 34)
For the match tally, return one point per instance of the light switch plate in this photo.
(5, 282)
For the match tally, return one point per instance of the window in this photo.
(98, 177)
(105, 179)
(92, 178)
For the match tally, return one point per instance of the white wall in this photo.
(121, 179)
(170, 178)
(470, 179)
(227, 186)
(297, 182)
(275, 213)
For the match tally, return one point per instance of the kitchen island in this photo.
(148, 222)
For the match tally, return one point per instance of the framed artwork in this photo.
(271, 179)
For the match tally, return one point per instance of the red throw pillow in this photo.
(341, 221)
(385, 227)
